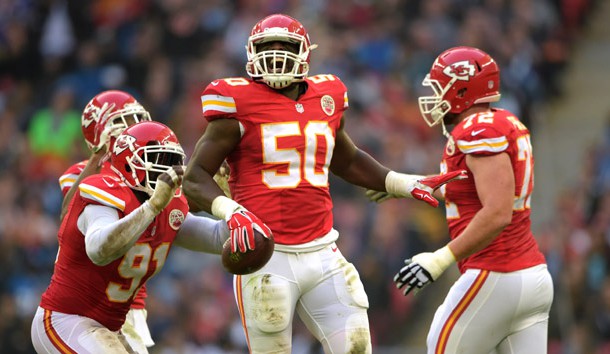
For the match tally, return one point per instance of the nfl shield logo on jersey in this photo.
(299, 107)
(328, 105)
(176, 218)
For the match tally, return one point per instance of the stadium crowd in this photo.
(57, 54)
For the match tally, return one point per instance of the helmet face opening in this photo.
(142, 152)
(433, 108)
(151, 161)
(278, 68)
(124, 118)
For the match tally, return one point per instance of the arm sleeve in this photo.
(106, 236)
(202, 234)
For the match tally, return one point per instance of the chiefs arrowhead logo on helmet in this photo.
(93, 113)
(123, 143)
(461, 70)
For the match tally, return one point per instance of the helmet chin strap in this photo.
(445, 132)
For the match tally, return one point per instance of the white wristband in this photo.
(444, 257)
(400, 184)
(223, 207)
(435, 263)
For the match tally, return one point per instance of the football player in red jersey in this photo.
(281, 133)
(117, 234)
(501, 301)
(103, 119)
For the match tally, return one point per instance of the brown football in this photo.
(251, 260)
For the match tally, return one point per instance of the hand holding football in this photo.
(250, 261)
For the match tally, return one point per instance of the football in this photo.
(250, 261)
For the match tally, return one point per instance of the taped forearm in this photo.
(106, 241)
(401, 184)
(223, 207)
(202, 234)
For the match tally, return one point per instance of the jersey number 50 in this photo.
(312, 164)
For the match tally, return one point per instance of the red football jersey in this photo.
(279, 170)
(486, 134)
(66, 181)
(105, 293)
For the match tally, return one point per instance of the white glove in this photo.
(419, 187)
(423, 269)
(167, 183)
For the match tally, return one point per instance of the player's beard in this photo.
(450, 119)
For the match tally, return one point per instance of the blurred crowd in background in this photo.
(55, 55)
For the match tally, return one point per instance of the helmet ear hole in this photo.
(461, 92)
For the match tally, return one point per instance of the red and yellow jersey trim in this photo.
(100, 196)
(494, 145)
(67, 180)
(218, 103)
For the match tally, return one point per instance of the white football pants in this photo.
(326, 292)
(489, 312)
(55, 332)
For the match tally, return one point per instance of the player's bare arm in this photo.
(203, 193)
(359, 168)
(495, 186)
(495, 183)
(220, 138)
(93, 166)
(354, 165)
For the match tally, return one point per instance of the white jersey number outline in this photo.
(298, 165)
(134, 266)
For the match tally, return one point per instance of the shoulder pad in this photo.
(105, 190)
(218, 98)
(67, 179)
(330, 84)
(326, 80)
(483, 133)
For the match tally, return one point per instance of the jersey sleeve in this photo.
(343, 90)
(67, 179)
(484, 138)
(104, 190)
(217, 100)
(329, 84)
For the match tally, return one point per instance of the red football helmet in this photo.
(107, 115)
(278, 68)
(460, 77)
(142, 152)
